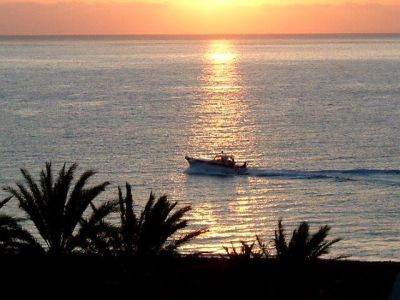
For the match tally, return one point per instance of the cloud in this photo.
(167, 18)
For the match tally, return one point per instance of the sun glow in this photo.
(216, 3)
(188, 17)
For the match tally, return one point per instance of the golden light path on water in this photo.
(224, 123)
(221, 110)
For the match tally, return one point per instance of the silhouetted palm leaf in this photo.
(264, 251)
(280, 240)
(5, 201)
(14, 239)
(129, 222)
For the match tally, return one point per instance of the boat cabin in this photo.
(224, 159)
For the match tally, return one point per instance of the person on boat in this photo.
(224, 158)
(227, 160)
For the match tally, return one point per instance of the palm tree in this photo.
(303, 245)
(244, 252)
(155, 231)
(248, 251)
(56, 208)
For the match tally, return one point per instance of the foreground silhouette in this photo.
(90, 255)
(153, 232)
(56, 208)
(302, 246)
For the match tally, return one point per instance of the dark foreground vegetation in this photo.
(195, 278)
(77, 251)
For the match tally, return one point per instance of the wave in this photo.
(391, 176)
(320, 174)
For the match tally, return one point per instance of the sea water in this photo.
(317, 118)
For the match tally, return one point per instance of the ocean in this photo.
(317, 118)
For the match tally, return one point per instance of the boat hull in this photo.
(216, 166)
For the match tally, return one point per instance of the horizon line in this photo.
(205, 35)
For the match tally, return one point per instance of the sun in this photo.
(217, 3)
(214, 3)
(223, 2)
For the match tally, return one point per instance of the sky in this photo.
(57, 17)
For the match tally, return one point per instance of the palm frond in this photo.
(318, 237)
(15, 239)
(5, 201)
(303, 246)
(28, 205)
(175, 244)
(33, 188)
(76, 207)
(147, 209)
(46, 181)
(264, 252)
(129, 225)
(280, 240)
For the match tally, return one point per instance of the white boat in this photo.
(221, 162)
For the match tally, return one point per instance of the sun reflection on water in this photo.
(222, 110)
(221, 53)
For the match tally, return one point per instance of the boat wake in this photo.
(322, 174)
(390, 177)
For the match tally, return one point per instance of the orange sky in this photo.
(19, 17)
